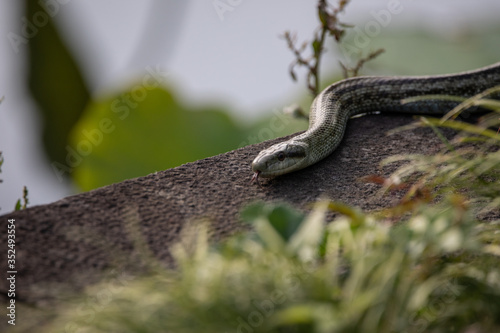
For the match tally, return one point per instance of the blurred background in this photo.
(95, 92)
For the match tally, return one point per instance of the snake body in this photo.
(332, 108)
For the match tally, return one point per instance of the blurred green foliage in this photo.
(141, 130)
(422, 52)
(128, 136)
(55, 80)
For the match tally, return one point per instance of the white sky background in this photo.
(238, 62)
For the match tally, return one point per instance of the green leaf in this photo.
(316, 45)
(25, 201)
(282, 217)
(18, 205)
(55, 81)
(308, 238)
(252, 212)
(143, 131)
(286, 220)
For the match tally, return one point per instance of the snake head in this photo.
(280, 159)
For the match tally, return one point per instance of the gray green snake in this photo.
(332, 108)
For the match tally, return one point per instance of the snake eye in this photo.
(281, 156)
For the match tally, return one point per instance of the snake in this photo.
(331, 110)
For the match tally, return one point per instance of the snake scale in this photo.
(332, 108)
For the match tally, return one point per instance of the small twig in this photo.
(25, 201)
(1, 162)
(330, 24)
(291, 40)
(354, 71)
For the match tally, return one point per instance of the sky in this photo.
(225, 52)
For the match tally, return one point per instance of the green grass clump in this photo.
(438, 270)
(469, 163)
